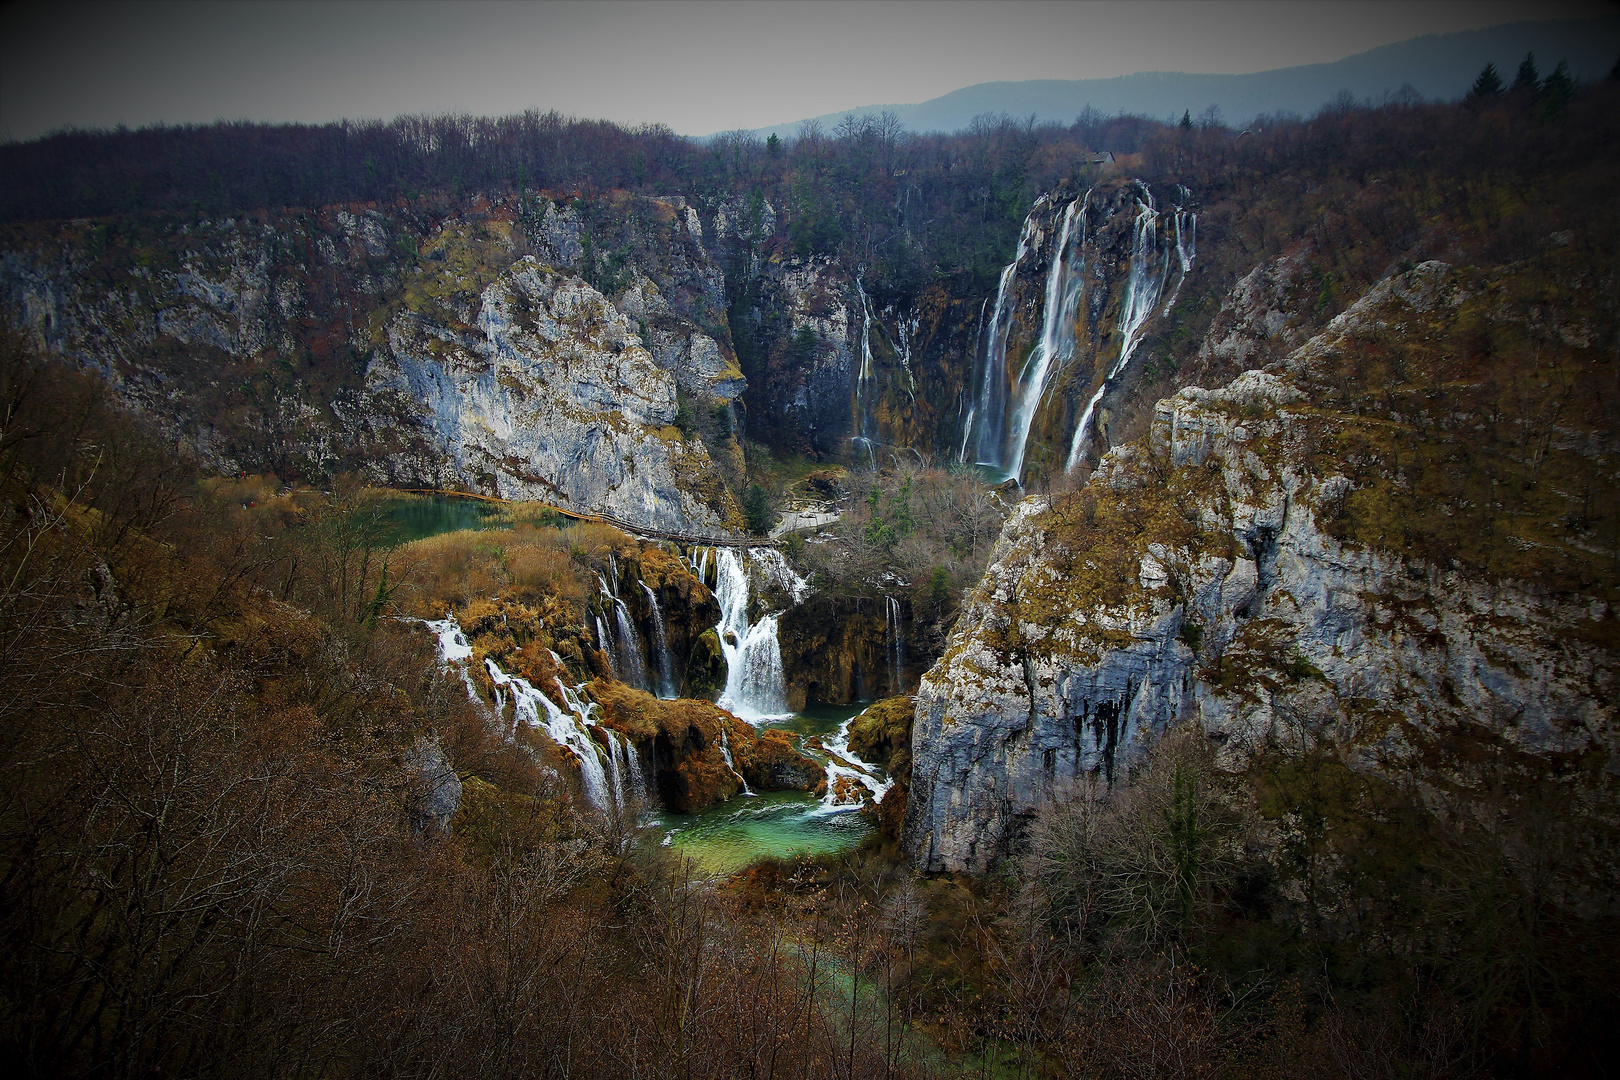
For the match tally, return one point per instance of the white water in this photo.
(635, 663)
(842, 763)
(991, 407)
(1150, 268)
(865, 434)
(666, 664)
(894, 632)
(725, 753)
(1065, 281)
(755, 689)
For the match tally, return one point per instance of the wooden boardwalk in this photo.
(706, 539)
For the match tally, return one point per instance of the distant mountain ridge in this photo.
(1437, 66)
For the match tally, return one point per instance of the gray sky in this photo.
(699, 66)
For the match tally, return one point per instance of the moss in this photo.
(881, 735)
(706, 666)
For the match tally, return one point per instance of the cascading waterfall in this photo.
(666, 665)
(1065, 282)
(570, 729)
(755, 687)
(841, 763)
(894, 632)
(635, 663)
(991, 407)
(622, 645)
(865, 432)
(1150, 268)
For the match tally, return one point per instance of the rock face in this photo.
(1229, 574)
(550, 395)
(525, 348)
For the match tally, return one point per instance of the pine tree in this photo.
(1528, 78)
(1556, 91)
(1488, 84)
(1186, 120)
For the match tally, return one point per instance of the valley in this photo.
(874, 604)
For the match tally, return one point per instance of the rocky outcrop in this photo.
(550, 395)
(1228, 575)
(526, 347)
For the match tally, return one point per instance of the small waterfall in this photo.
(865, 431)
(755, 689)
(725, 753)
(842, 763)
(666, 666)
(570, 729)
(1150, 268)
(894, 633)
(635, 662)
(623, 646)
(1064, 284)
(604, 637)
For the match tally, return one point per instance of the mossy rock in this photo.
(706, 667)
(882, 734)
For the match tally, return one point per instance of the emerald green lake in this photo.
(417, 519)
(735, 834)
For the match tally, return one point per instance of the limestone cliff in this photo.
(1346, 547)
(526, 347)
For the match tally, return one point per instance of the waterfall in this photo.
(755, 688)
(864, 432)
(842, 763)
(604, 638)
(991, 406)
(628, 659)
(570, 729)
(725, 753)
(666, 666)
(896, 644)
(635, 662)
(1143, 286)
(1064, 284)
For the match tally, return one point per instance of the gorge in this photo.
(1013, 578)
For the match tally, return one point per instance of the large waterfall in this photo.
(865, 430)
(998, 423)
(1064, 284)
(755, 688)
(986, 425)
(1150, 267)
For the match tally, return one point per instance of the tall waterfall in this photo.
(865, 430)
(1150, 268)
(666, 665)
(1064, 284)
(1163, 246)
(986, 425)
(895, 633)
(755, 688)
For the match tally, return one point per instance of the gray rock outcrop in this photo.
(1197, 580)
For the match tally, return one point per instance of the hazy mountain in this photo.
(1438, 66)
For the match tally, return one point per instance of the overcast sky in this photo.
(699, 66)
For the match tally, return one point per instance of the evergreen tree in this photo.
(1488, 84)
(1557, 89)
(1186, 120)
(1528, 78)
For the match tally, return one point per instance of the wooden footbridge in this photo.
(702, 539)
